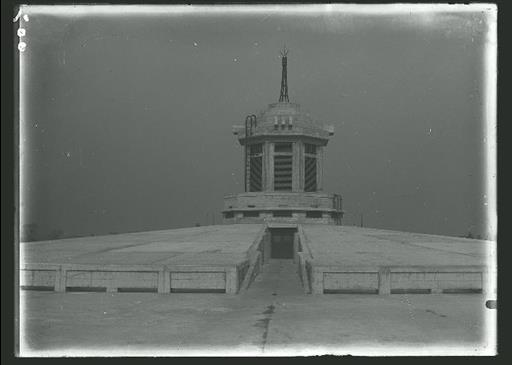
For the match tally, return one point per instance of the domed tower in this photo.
(283, 154)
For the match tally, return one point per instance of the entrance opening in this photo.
(281, 240)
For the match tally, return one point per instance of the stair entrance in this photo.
(279, 277)
(281, 243)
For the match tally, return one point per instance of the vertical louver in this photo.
(310, 168)
(283, 160)
(255, 167)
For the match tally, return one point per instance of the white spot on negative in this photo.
(235, 59)
(25, 17)
(22, 46)
(21, 32)
(195, 44)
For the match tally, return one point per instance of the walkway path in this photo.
(279, 278)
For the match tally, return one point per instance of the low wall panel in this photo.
(112, 279)
(351, 281)
(37, 278)
(436, 280)
(460, 280)
(198, 280)
(78, 278)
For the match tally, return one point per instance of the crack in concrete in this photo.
(172, 255)
(110, 249)
(264, 323)
(435, 313)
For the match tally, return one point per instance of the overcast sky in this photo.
(128, 117)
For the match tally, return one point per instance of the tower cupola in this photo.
(283, 150)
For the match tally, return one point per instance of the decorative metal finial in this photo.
(283, 97)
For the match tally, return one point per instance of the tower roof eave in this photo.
(317, 138)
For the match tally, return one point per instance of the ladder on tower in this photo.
(250, 123)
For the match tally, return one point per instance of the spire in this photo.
(283, 97)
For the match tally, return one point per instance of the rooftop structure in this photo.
(283, 166)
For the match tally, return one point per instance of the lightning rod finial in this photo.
(284, 51)
(283, 97)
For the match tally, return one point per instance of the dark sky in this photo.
(128, 117)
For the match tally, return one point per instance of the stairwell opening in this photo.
(282, 243)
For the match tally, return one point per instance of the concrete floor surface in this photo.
(213, 245)
(228, 244)
(355, 246)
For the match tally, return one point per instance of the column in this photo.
(384, 281)
(317, 285)
(231, 280)
(60, 279)
(161, 280)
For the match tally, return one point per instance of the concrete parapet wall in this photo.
(111, 280)
(38, 278)
(303, 256)
(397, 279)
(256, 257)
(254, 268)
(161, 279)
(197, 280)
(350, 281)
(242, 272)
(303, 242)
(304, 274)
(436, 281)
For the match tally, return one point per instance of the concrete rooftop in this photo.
(355, 246)
(272, 316)
(228, 244)
(212, 245)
